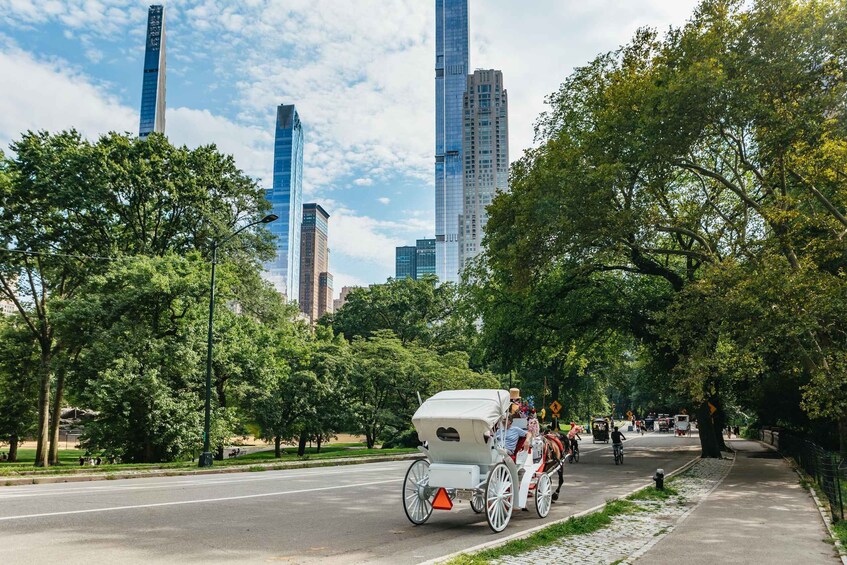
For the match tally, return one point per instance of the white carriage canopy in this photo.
(462, 416)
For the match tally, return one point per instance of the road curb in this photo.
(824, 513)
(245, 468)
(529, 532)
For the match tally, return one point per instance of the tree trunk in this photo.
(42, 434)
(369, 440)
(13, 448)
(301, 447)
(277, 450)
(55, 417)
(706, 428)
(320, 437)
(719, 419)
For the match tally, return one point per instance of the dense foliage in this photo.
(686, 201)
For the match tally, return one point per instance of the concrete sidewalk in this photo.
(758, 514)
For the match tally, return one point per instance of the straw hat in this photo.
(514, 393)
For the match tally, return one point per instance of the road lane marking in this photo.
(212, 481)
(183, 502)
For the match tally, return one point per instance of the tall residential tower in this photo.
(286, 198)
(153, 84)
(451, 70)
(486, 156)
(315, 280)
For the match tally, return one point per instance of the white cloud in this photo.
(340, 280)
(55, 97)
(251, 146)
(364, 88)
(384, 200)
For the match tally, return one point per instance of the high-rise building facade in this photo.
(153, 83)
(415, 261)
(405, 262)
(325, 304)
(424, 258)
(286, 198)
(315, 280)
(451, 69)
(339, 302)
(486, 155)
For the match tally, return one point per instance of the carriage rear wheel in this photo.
(543, 495)
(478, 502)
(499, 497)
(417, 494)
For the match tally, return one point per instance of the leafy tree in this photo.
(18, 384)
(414, 310)
(672, 159)
(67, 203)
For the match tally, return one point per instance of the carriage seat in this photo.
(518, 447)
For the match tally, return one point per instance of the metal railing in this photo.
(828, 469)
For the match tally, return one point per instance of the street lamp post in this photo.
(206, 456)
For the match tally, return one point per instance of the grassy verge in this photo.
(69, 461)
(838, 528)
(572, 527)
(652, 493)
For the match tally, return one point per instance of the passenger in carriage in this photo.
(513, 435)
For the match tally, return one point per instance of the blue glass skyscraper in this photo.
(153, 84)
(451, 71)
(286, 198)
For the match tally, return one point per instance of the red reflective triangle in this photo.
(442, 501)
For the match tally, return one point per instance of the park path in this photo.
(759, 514)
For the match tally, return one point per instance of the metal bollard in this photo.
(659, 477)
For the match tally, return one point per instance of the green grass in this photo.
(840, 530)
(572, 527)
(652, 493)
(69, 460)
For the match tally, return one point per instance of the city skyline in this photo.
(368, 156)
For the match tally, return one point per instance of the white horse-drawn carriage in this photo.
(466, 458)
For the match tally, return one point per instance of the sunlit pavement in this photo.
(348, 514)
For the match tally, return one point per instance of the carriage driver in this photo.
(513, 434)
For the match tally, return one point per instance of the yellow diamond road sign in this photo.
(555, 407)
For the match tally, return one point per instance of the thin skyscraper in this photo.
(486, 156)
(286, 198)
(153, 83)
(451, 78)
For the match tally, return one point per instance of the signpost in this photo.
(555, 407)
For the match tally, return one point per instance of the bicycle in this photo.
(574, 458)
(618, 453)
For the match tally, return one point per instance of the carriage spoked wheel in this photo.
(478, 502)
(543, 495)
(417, 494)
(499, 497)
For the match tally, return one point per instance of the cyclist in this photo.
(573, 435)
(617, 438)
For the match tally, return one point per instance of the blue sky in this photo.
(359, 71)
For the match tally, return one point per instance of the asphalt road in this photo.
(350, 514)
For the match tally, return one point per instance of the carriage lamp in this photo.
(659, 477)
